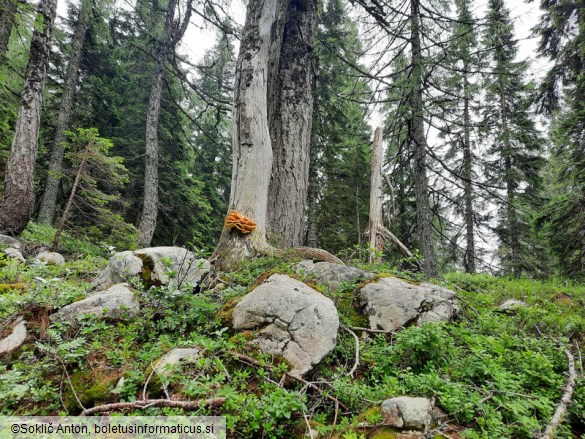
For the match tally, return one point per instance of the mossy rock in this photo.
(91, 389)
(349, 312)
(225, 313)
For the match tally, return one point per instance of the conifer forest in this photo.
(350, 219)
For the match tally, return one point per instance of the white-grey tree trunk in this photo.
(290, 117)
(49, 200)
(147, 223)
(252, 147)
(375, 221)
(172, 35)
(18, 201)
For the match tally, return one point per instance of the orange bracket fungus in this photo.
(239, 221)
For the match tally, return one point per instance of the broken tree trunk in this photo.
(376, 199)
(377, 233)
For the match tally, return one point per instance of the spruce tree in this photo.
(460, 93)
(341, 144)
(514, 159)
(562, 32)
(49, 199)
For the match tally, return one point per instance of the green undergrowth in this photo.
(495, 375)
(41, 235)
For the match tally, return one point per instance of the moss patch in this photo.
(13, 286)
(225, 313)
(91, 388)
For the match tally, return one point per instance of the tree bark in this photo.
(19, 195)
(376, 198)
(252, 147)
(418, 140)
(312, 195)
(290, 118)
(469, 259)
(49, 200)
(7, 14)
(147, 223)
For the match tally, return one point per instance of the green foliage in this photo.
(495, 374)
(516, 146)
(39, 234)
(99, 176)
(341, 139)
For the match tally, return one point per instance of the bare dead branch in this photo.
(565, 399)
(147, 403)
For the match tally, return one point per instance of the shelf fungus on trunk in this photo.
(240, 222)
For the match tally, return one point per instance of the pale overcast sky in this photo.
(197, 41)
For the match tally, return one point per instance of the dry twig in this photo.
(373, 331)
(146, 403)
(565, 400)
(357, 351)
(465, 302)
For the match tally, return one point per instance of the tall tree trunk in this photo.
(171, 37)
(252, 147)
(312, 194)
(47, 209)
(19, 195)
(147, 223)
(7, 14)
(469, 260)
(375, 221)
(513, 233)
(418, 140)
(290, 121)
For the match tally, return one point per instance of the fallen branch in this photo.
(373, 331)
(565, 400)
(388, 235)
(147, 403)
(357, 351)
(465, 302)
(252, 361)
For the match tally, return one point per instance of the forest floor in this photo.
(494, 374)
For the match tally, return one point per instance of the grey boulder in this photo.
(298, 323)
(14, 253)
(9, 241)
(182, 262)
(512, 305)
(121, 267)
(15, 339)
(117, 302)
(154, 264)
(391, 303)
(331, 274)
(407, 412)
(51, 258)
(175, 357)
